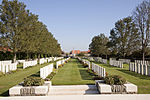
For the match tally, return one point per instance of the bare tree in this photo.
(141, 15)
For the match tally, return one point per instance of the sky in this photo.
(75, 22)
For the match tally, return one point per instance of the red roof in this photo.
(78, 51)
(5, 49)
(75, 51)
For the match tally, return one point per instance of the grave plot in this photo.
(45, 71)
(35, 85)
(142, 82)
(108, 84)
(99, 59)
(13, 79)
(60, 63)
(116, 63)
(29, 63)
(141, 67)
(7, 66)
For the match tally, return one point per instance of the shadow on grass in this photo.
(106, 65)
(5, 94)
(135, 74)
(80, 66)
(36, 74)
(85, 75)
(20, 66)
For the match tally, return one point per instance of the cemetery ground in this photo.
(73, 73)
(142, 81)
(15, 78)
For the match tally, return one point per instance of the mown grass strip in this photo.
(72, 73)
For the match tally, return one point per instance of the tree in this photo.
(98, 46)
(125, 37)
(142, 19)
(28, 34)
(10, 14)
(21, 31)
(113, 41)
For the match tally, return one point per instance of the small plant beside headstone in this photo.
(31, 86)
(33, 81)
(114, 80)
(115, 84)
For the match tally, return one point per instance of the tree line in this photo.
(130, 38)
(23, 33)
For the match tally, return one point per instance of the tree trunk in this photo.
(38, 56)
(143, 53)
(143, 56)
(19, 56)
(27, 56)
(15, 56)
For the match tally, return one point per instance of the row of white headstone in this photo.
(45, 71)
(20, 61)
(7, 66)
(46, 60)
(49, 59)
(104, 61)
(127, 61)
(142, 62)
(42, 60)
(57, 58)
(85, 62)
(29, 63)
(97, 59)
(90, 58)
(61, 62)
(100, 71)
(88, 63)
(116, 63)
(34, 62)
(143, 69)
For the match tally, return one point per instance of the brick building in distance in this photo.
(76, 52)
(5, 49)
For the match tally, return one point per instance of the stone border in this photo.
(19, 90)
(107, 89)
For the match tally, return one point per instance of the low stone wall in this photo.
(127, 88)
(19, 90)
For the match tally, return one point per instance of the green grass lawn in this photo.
(142, 81)
(72, 73)
(12, 79)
